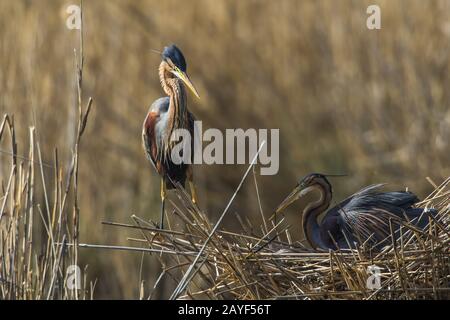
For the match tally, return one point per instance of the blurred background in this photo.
(372, 104)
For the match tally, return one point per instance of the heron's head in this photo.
(304, 186)
(176, 64)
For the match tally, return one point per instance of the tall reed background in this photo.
(372, 104)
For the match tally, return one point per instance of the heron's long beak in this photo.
(185, 78)
(291, 198)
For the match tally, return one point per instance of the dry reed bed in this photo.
(40, 218)
(39, 221)
(34, 234)
(267, 265)
(39, 239)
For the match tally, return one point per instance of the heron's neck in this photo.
(174, 88)
(311, 213)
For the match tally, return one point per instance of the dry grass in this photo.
(266, 264)
(39, 240)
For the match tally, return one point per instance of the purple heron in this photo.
(364, 217)
(166, 115)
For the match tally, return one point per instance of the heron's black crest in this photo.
(313, 178)
(309, 178)
(173, 53)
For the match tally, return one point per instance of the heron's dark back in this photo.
(369, 215)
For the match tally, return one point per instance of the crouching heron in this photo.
(365, 217)
(166, 115)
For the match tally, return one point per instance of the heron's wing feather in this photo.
(370, 212)
(149, 138)
(150, 132)
(346, 202)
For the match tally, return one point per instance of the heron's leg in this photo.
(163, 200)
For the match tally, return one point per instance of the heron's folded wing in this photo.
(149, 138)
(370, 213)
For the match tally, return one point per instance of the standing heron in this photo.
(365, 216)
(166, 115)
